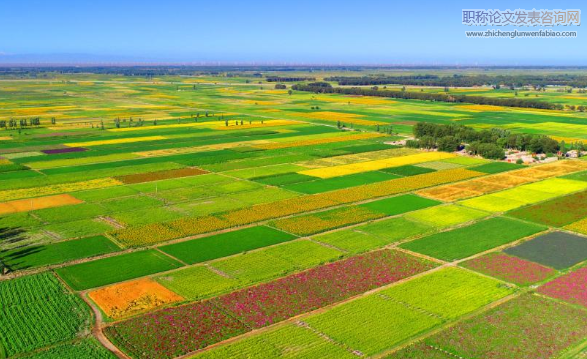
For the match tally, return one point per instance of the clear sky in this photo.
(300, 31)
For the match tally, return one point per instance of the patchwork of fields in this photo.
(242, 224)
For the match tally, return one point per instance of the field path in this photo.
(98, 326)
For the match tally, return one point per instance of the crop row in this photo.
(38, 311)
(525, 327)
(160, 175)
(374, 165)
(314, 223)
(176, 331)
(8, 195)
(140, 235)
(502, 181)
(377, 322)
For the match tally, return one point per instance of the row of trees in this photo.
(324, 87)
(288, 79)
(20, 123)
(511, 81)
(486, 143)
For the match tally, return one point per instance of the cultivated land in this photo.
(233, 219)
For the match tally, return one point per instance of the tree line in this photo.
(488, 143)
(537, 81)
(20, 123)
(288, 79)
(324, 87)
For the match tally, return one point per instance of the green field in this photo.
(182, 198)
(467, 241)
(38, 311)
(116, 269)
(222, 245)
(395, 314)
(36, 256)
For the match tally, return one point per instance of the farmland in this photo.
(215, 216)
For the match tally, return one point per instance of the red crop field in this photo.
(284, 298)
(176, 331)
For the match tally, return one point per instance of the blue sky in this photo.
(301, 31)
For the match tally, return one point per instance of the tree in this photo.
(543, 144)
(427, 142)
(491, 151)
(448, 144)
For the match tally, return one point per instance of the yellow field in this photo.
(337, 116)
(357, 157)
(524, 195)
(579, 226)
(568, 140)
(277, 145)
(11, 194)
(81, 161)
(502, 181)
(261, 102)
(115, 141)
(196, 149)
(233, 126)
(25, 205)
(360, 167)
(355, 100)
(481, 107)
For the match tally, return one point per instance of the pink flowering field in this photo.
(571, 287)
(176, 331)
(509, 268)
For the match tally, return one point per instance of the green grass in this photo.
(400, 204)
(37, 256)
(225, 244)
(394, 229)
(408, 170)
(79, 229)
(116, 269)
(479, 237)
(130, 203)
(446, 216)
(283, 179)
(146, 216)
(265, 171)
(97, 195)
(439, 165)
(496, 167)
(70, 213)
(579, 176)
(465, 161)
